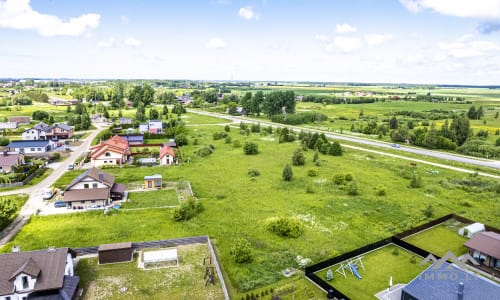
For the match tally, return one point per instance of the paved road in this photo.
(35, 202)
(430, 153)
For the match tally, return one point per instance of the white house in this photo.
(152, 126)
(40, 274)
(114, 151)
(167, 155)
(30, 147)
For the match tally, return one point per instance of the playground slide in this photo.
(355, 271)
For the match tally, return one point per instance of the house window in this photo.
(32, 149)
(107, 154)
(25, 282)
(94, 185)
(39, 149)
(7, 298)
(149, 184)
(85, 185)
(92, 201)
(83, 202)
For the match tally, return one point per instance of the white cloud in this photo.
(468, 48)
(18, 14)
(345, 44)
(132, 42)
(345, 28)
(481, 9)
(377, 39)
(322, 37)
(247, 13)
(110, 43)
(215, 43)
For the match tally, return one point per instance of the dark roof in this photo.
(132, 137)
(95, 174)
(29, 267)
(442, 284)
(487, 242)
(107, 247)
(171, 144)
(9, 160)
(67, 292)
(43, 127)
(86, 195)
(63, 126)
(118, 188)
(52, 264)
(27, 144)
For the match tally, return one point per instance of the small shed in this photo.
(160, 258)
(115, 253)
(152, 182)
(470, 230)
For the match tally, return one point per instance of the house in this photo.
(185, 99)
(167, 155)
(124, 121)
(41, 274)
(448, 281)
(8, 161)
(61, 131)
(30, 147)
(113, 151)
(93, 188)
(152, 182)
(20, 120)
(133, 139)
(98, 118)
(152, 126)
(42, 131)
(8, 125)
(485, 248)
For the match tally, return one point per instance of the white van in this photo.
(47, 193)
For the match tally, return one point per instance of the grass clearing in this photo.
(440, 239)
(18, 200)
(183, 282)
(379, 265)
(147, 199)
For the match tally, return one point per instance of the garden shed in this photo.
(115, 253)
(470, 230)
(160, 258)
(152, 182)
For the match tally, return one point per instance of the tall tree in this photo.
(461, 127)
(257, 100)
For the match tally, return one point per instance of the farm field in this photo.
(236, 206)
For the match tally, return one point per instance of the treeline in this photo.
(338, 100)
(299, 118)
(434, 114)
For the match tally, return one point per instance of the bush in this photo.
(253, 172)
(286, 227)
(381, 190)
(227, 128)
(228, 140)
(348, 177)
(188, 209)
(251, 148)
(395, 252)
(236, 144)
(255, 127)
(312, 172)
(413, 259)
(416, 181)
(310, 189)
(353, 188)
(181, 139)
(298, 158)
(4, 141)
(287, 173)
(204, 151)
(241, 251)
(219, 135)
(428, 211)
(338, 179)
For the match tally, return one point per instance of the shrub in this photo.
(227, 128)
(236, 144)
(316, 156)
(381, 190)
(287, 173)
(4, 141)
(312, 172)
(181, 139)
(413, 259)
(310, 189)
(348, 177)
(255, 127)
(416, 181)
(395, 252)
(188, 209)
(253, 172)
(298, 158)
(204, 151)
(339, 179)
(251, 148)
(428, 211)
(219, 135)
(353, 188)
(241, 251)
(228, 140)
(286, 227)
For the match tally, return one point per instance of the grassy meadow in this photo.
(147, 199)
(237, 206)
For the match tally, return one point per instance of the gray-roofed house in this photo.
(41, 274)
(8, 161)
(449, 282)
(133, 139)
(39, 147)
(93, 188)
(485, 248)
(42, 131)
(124, 121)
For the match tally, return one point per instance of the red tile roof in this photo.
(115, 144)
(166, 150)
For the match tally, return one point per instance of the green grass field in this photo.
(439, 240)
(17, 200)
(151, 199)
(379, 265)
(182, 282)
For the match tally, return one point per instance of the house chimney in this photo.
(101, 177)
(16, 249)
(460, 291)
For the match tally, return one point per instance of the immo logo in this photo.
(449, 256)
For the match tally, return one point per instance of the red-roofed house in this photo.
(167, 156)
(113, 151)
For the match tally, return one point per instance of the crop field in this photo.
(237, 206)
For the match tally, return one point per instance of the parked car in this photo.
(71, 166)
(395, 145)
(48, 193)
(60, 203)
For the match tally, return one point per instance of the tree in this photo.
(298, 158)
(251, 148)
(241, 251)
(416, 181)
(188, 209)
(393, 123)
(287, 173)
(246, 102)
(153, 114)
(148, 94)
(461, 127)
(181, 139)
(164, 110)
(335, 149)
(352, 189)
(4, 141)
(40, 115)
(7, 209)
(140, 114)
(257, 101)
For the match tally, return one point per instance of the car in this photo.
(71, 166)
(59, 203)
(395, 145)
(48, 193)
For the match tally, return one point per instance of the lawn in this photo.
(146, 199)
(440, 239)
(379, 265)
(237, 206)
(18, 202)
(183, 282)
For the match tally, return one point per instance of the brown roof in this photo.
(86, 195)
(20, 119)
(94, 173)
(118, 188)
(487, 242)
(9, 160)
(107, 247)
(48, 265)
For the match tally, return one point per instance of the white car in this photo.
(48, 193)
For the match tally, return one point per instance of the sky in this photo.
(376, 41)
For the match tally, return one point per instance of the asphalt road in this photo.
(402, 148)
